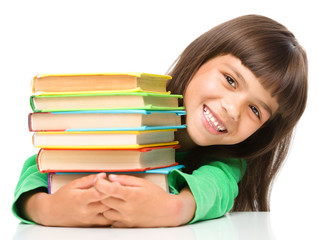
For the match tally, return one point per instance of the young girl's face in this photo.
(225, 103)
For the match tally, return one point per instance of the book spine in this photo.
(39, 159)
(29, 122)
(33, 107)
(49, 176)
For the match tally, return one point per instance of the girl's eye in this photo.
(255, 111)
(230, 81)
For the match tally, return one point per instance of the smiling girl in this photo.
(244, 84)
(226, 103)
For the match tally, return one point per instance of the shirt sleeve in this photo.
(30, 179)
(214, 187)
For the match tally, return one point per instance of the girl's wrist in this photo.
(36, 207)
(184, 208)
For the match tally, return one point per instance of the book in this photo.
(105, 160)
(158, 176)
(104, 139)
(96, 82)
(105, 120)
(103, 101)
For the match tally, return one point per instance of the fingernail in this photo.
(113, 177)
(98, 176)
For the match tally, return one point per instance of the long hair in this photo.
(275, 57)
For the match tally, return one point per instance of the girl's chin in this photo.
(206, 139)
(203, 140)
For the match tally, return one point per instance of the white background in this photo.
(147, 36)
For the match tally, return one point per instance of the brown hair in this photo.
(273, 54)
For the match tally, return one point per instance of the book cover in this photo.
(105, 160)
(105, 101)
(98, 82)
(158, 176)
(105, 120)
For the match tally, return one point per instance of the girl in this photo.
(245, 87)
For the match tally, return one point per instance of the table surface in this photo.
(233, 226)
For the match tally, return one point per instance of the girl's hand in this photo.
(76, 204)
(136, 202)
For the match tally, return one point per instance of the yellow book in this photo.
(98, 82)
(104, 139)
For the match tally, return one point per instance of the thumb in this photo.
(126, 180)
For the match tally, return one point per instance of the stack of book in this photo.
(120, 123)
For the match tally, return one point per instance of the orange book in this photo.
(105, 160)
(98, 82)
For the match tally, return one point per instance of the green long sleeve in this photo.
(30, 179)
(214, 187)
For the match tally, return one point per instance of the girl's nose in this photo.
(233, 107)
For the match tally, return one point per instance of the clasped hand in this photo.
(114, 200)
(136, 202)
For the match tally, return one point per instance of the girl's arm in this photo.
(136, 202)
(207, 193)
(77, 204)
(33, 205)
(214, 186)
(30, 181)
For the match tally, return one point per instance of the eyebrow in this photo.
(238, 74)
(263, 105)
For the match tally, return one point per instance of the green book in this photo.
(105, 101)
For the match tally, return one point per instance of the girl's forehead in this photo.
(247, 82)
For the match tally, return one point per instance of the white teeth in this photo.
(212, 120)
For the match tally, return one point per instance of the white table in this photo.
(233, 226)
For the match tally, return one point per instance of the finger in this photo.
(113, 203)
(126, 180)
(112, 215)
(98, 207)
(101, 220)
(122, 224)
(103, 186)
(92, 195)
(113, 189)
(84, 182)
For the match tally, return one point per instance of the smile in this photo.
(213, 121)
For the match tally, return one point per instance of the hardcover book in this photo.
(105, 160)
(105, 120)
(103, 101)
(158, 176)
(98, 82)
(104, 139)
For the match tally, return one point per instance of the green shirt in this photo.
(214, 185)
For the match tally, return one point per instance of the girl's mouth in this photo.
(213, 121)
